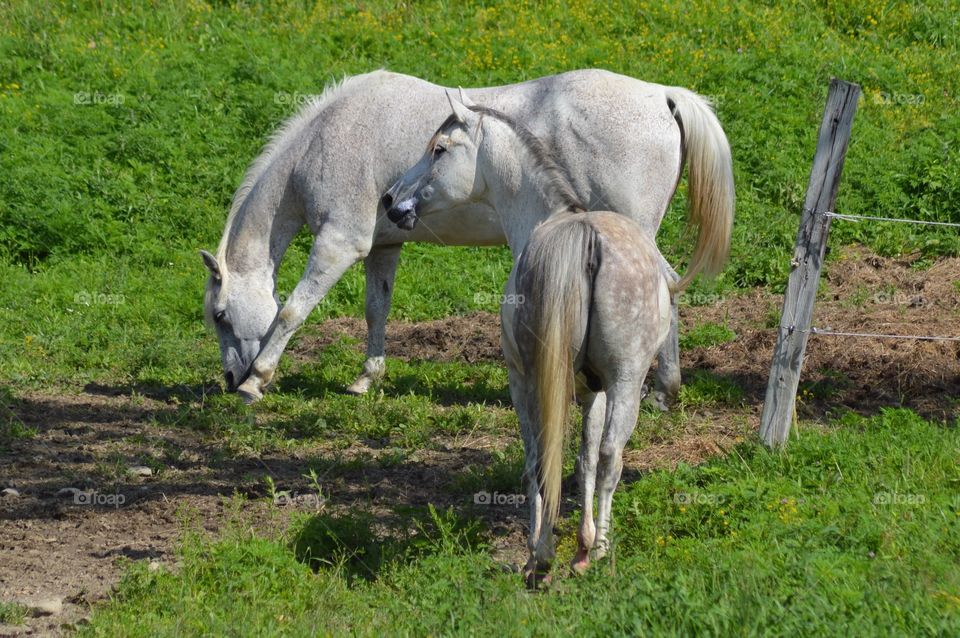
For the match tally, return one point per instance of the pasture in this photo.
(126, 130)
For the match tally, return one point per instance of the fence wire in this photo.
(903, 220)
(876, 335)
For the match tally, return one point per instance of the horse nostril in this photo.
(387, 201)
(229, 376)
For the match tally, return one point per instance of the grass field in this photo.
(853, 530)
(126, 127)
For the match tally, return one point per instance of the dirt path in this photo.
(54, 545)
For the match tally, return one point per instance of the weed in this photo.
(12, 613)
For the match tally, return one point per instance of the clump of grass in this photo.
(12, 428)
(12, 613)
(705, 335)
(704, 389)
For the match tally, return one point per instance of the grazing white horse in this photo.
(623, 142)
(590, 296)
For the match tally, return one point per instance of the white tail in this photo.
(710, 192)
(557, 265)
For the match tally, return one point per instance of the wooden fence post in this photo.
(779, 404)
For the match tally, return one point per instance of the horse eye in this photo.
(219, 316)
(439, 150)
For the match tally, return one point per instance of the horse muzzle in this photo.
(404, 214)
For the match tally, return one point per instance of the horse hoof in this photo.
(658, 400)
(360, 386)
(249, 393)
(599, 550)
(537, 577)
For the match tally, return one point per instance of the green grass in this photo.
(706, 335)
(855, 529)
(704, 389)
(12, 613)
(124, 130)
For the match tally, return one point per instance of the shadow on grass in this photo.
(363, 545)
(157, 391)
(442, 392)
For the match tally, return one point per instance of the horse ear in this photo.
(467, 102)
(459, 110)
(211, 263)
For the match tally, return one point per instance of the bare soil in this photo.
(54, 547)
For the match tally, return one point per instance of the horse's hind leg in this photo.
(594, 410)
(331, 255)
(380, 268)
(539, 540)
(623, 405)
(666, 384)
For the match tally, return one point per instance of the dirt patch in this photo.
(53, 546)
(468, 338)
(860, 292)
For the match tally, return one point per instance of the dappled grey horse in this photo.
(590, 295)
(623, 141)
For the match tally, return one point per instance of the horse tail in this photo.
(556, 265)
(710, 193)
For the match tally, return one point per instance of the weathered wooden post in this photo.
(780, 402)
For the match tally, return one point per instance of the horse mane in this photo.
(279, 140)
(543, 158)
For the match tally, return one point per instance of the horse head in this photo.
(241, 308)
(446, 174)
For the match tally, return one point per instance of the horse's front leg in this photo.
(330, 257)
(666, 383)
(380, 268)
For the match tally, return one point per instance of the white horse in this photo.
(623, 141)
(589, 296)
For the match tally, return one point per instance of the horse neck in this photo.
(522, 193)
(260, 232)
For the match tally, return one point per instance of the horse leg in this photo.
(380, 268)
(666, 384)
(329, 259)
(594, 409)
(623, 405)
(539, 541)
(540, 554)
